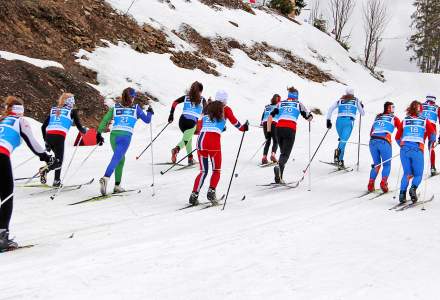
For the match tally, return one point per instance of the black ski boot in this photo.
(433, 171)
(402, 197)
(5, 242)
(413, 194)
(212, 196)
(276, 171)
(194, 199)
(56, 183)
(190, 160)
(336, 156)
(341, 165)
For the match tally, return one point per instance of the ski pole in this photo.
(313, 156)
(250, 159)
(233, 171)
(79, 168)
(310, 152)
(152, 158)
(24, 162)
(356, 143)
(67, 170)
(359, 142)
(397, 182)
(385, 161)
(176, 163)
(6, 199)
(146, 148)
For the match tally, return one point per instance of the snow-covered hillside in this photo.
(275, 244)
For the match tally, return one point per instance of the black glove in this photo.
(439, 139)
(171, 118)
(150, 110)
(99, 139)
(329, 124)
(48, 149)
(45, 157)
(362, 105)
(310, 118)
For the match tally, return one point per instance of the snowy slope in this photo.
(276, 244)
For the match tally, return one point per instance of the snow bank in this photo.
(41, 63)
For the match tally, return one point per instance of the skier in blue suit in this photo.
(348, 107)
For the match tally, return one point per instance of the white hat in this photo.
(221, 96)
(431, 97)
(349, 91)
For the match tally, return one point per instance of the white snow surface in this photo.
(275, 244)
(41, 63)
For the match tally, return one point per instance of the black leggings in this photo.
(6, 189)
(273, 130)
(185, 124)
(56, 143)
(286, 139)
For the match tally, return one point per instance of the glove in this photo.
(310, 118)
(48, 149)
(171, 118)
(99, 139)
(245, 126)
(329, 124)
(45, 157)
(150, 110)
(439, 139)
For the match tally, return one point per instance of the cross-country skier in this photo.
(411, 137)
(287, 114)
(193, 104)
(209, 149)
(125, 115)
(270, 134)
(347, 106)
(431, 111)
(55, 129)
(13, 128)
(381, 145)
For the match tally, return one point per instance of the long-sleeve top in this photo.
(384, 134)
(75, 119)
(337, 103)
(430, 132)
(286, 123)
(140, 114)
(181, 100)
(27, 135)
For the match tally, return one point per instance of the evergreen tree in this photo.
(425, 42)
(299, 5)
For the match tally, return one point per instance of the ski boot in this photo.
(336, 156)
(273, 157)
(371, 185)
(277, 172)
(194, 198)
(118, 189)
(341, 165)
(413, 194)
(190, 160)
(43, 174)
(384, 185)
(56, 183)
(212, 196)
(174, 152)
(402, 197)
(103, 183)
(5, 242)
(264, 160)
(433, 171)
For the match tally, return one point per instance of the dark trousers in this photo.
(6, 189)
(274, 138)
(286, 139)
(56, 143)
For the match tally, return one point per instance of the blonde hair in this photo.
(9, 102)
(62, 101)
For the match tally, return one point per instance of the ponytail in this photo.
(9, 103)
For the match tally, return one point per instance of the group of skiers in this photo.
(418, 125)
(207, 119)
